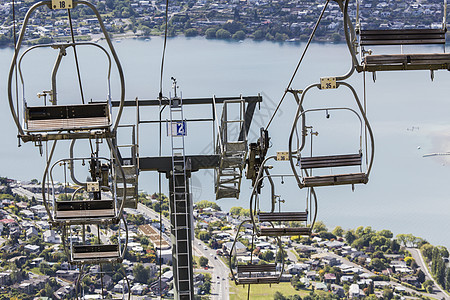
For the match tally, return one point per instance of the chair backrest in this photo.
(256, 268)
(402, 37)
(68, 117)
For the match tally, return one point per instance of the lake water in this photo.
(408, 112)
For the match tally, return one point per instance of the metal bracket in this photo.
(38, 143)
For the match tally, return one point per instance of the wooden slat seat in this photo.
(282, 216)
(330, 161)
(256, 268)
(286, 231)
(84, 209)
(95, 252)
(258, 280)
(354, 178)
(402, 37)
(250, 278)
(392, 62)
(432, 61)
(67, 117)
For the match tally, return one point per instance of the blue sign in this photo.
(177, 128)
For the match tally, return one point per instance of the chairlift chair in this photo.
(371, 62)
(279, 223)
(102, 205)
(307, 163)
(81, 251)
(250, 273)
(54, 121)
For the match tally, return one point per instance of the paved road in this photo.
(219, 271)
(290, 255)
(437, 290)
(25, 193)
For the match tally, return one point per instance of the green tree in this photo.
(210, 33)
(140, 273)
(377, 264)
(269, 37)
(204, 235)
(370, 289)
(239, 35)
(428, 285)
(203, 261)
(447, 280)
(443, 250)
(386, 233)
(191, 32)
(338, 231)
(205, 203)
(350, 236)
(336, 37)
(358, 243)
(280, 37)
(235, 210)
(278, 296)
(4, 40)
(267, 256)
(319, 226)
(420, 276)
(259, 34)
(395, 247)
(388, 293)
(146, 32)
(223, 34)
(427, 251)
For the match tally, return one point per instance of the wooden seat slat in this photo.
(339, 179)
(287, 231)
(258, 280)
(95, 251)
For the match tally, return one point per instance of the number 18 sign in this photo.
(61, 4)
(176, 128)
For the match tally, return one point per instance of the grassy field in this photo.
(264, 291)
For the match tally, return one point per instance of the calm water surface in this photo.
(406, 192)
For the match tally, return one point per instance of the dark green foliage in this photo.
(140, 273)
(223, 34)
(191, 32)
(278, 296)
(239, 35)
(203, 261)
(211, 33)
(206, 204)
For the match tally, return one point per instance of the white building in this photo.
(50, 236)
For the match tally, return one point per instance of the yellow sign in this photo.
(327, 83)
(93, 186)
(283, 155)
(62, 4)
